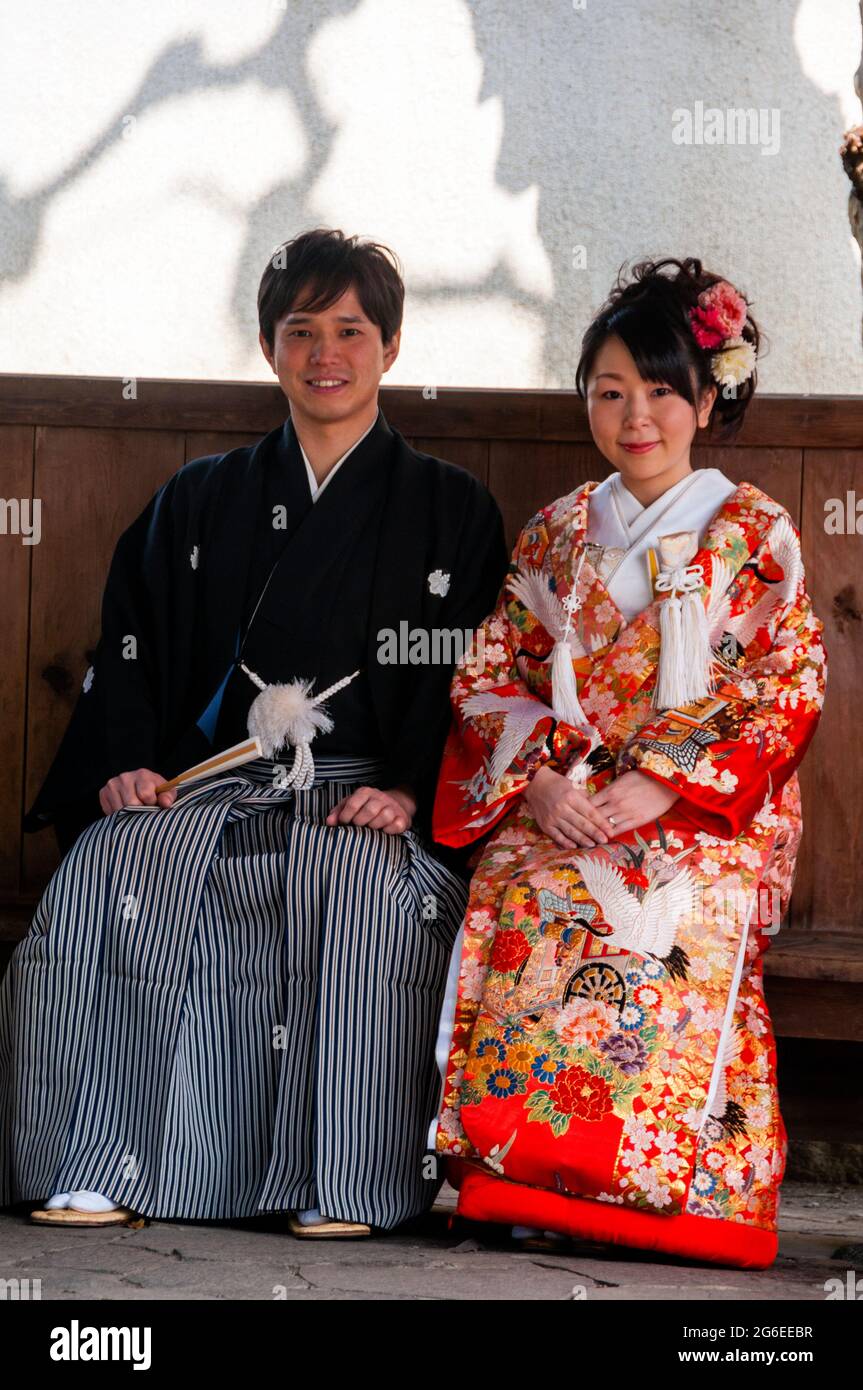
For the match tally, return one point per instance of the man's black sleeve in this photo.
(475, 584)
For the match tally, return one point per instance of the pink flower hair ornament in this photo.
(717, 321)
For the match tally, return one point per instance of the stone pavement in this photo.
(821, 1238)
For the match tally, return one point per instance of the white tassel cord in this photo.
(685, 655)
(285, 715)
(564, 687)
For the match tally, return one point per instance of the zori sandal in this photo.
(326, 1229)
(68, 1216)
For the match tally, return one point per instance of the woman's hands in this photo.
(634, 799)
(571, 816)
(135, 789)
(564, 812)
(392, 811)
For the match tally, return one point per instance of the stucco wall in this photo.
(151, 156)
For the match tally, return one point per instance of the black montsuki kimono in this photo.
(239, 997)
(363, 558)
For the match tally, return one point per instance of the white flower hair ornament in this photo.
(734, 364)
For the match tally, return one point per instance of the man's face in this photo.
(330, 363)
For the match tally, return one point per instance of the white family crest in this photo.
(193, 558)
(439, 582)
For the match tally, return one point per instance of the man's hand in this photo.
(564, 812)
(634, 799)
(135, 789)
(392, 811)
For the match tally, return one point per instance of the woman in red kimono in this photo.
(625, 740)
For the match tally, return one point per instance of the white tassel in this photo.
(284, 715)
(696, 646)
(685, 655)
(564, 687)
(671, 676)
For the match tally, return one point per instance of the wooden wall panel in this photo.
(829, 887)
(526, 475)
(199, 443)
(92, 483)
(16, 482)
(778, 472)
(456, 412)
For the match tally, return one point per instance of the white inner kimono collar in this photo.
(618, 521)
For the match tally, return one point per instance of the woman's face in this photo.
(644, 428)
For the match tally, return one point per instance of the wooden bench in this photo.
(94, 459)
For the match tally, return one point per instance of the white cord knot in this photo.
(285, 715)
(683, 580)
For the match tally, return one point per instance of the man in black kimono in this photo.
(285, 974)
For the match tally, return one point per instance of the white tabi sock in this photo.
(91, 1201)
(312, 1217)
(80, 1201)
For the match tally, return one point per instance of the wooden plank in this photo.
(16, 484)
(778, 472)
(200, 443)
(816, 955)
(815, 1008)
(93, 483)
(527, 477)
(98, 403)
(778, 421)
(829, 887)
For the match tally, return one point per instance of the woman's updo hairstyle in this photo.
(650, 314)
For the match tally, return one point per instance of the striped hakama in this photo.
(230, 1008)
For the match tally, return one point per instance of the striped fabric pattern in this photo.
(231, 1008)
